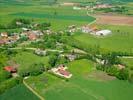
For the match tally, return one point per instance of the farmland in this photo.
(117, 41)
(64, 16)
(80, 86)
(20, 91)
(66, 49)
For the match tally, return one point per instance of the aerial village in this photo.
(65, 50)
(29, 35)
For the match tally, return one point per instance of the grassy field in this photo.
(26, 59)
(129, 63)
(117, 41)
(80, 86)
(59, 16)
(18, 92)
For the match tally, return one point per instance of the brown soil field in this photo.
(114, 20)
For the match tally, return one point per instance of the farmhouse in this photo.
(37, 33)
(25, 29)
(40, 52)
(103, 32)
(71, 57)
(61, 71)
(10, 69)
(32, 36)
(4, 34)
(2, 42)
(99, 6)
(88, 29)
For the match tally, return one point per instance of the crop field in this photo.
(18, 92)
(80, 86)
(59, 16)
(117, 41)
(114, 20)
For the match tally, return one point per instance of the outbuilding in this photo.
(103, 32)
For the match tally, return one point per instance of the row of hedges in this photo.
(122, 74)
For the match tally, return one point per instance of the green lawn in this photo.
(26, 59)
(80, 86)
(19, 92)
(117, 41)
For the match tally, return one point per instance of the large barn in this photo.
(103, 32)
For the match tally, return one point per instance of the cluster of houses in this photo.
(99, 6)
(61, 70)
(6, 39)
(95, 31)
(89, 29)
(32, 35)
(40, 52)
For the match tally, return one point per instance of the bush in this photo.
(37, 69)
(34, 70)
(123, 74)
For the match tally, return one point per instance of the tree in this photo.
(123, 74)
(53, 59)
(36, 69)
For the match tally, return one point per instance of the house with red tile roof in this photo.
(2, 42)
(32, 36)
(61, 71)
(10, 69)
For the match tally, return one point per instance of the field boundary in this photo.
(32, 90)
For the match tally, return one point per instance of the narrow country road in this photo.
(32, 90)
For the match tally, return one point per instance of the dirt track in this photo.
(115, 20)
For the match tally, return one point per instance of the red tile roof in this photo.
(2, 42)
(32, 37)
(9, 69)
(63, 72)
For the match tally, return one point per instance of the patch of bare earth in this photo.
(114, 20)
(100, 76)
(69, 4)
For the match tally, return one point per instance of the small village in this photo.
(28, 35)
(66, 50)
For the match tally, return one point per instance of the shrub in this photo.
(34, 70)
(123, 74)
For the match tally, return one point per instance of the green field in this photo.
(59, 16)
(117, 41)
(26, 59)
(80, 86)
(128, 62)
(19, 92)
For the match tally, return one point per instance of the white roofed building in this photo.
(103, 32)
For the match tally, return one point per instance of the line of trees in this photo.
(13, 24)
